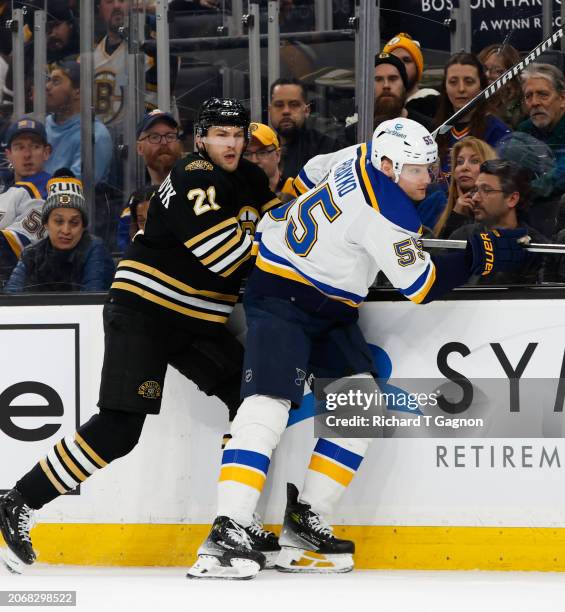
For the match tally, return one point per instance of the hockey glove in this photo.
(499, 250)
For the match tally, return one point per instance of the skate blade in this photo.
(11, 562)
(299, 560)
(208, 567)
(271, 559)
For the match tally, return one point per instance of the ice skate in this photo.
(264, 541)
(16, 520)
(227, 553)
(307, 542)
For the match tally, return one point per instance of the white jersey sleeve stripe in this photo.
(420, 287)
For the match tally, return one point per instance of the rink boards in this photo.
(490, 497)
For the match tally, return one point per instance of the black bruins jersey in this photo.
(188, 263)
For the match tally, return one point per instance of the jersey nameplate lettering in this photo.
(166, 191)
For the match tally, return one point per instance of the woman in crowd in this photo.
(466, 158)
(507, 102)
(463, 79)
(68, 258)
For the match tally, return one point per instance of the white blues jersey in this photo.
(337, 236)
(20, 213)
(316, 169)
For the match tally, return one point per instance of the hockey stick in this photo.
(557, 249)
(502, 80)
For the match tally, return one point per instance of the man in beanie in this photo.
(69, 258)
(408, 51)
(391, 84)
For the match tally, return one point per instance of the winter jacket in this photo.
(42, 268)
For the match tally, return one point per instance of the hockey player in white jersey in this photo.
(316, 258)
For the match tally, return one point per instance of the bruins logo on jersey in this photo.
(150, 389)
(108, 96)
(199, 164)
(248, 218)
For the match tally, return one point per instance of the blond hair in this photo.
(480, 148)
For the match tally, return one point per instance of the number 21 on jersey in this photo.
(302, 232)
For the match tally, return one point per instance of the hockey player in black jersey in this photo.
(170, 298)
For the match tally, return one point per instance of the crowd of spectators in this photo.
(500, 165)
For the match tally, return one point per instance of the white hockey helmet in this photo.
(403, 141)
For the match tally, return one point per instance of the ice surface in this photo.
(167, 589)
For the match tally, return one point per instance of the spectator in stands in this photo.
(420, 100)
(537, 157)
(265, 151)
(506, 104)
(20, 206)
(63, 124)
(467, 155)
(62, 32)
(463, 79)
(288, 114)
(391, 83)
(158, 143)
(110, 57)
(500, 197)
(69, 258)
(138, 206)
(543, 86)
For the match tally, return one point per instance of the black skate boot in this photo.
(308, 543)
(264, 541)
(227, 553)
(16, 520)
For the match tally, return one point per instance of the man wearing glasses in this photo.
(500, 201)
(264, 150)
(158, 143)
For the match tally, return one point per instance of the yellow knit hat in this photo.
(405, 41)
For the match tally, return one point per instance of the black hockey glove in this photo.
(499, 250)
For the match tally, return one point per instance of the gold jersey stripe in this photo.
(60, 489)
(209, 232)
(88, 450)
(69, 462)
(267, 266)
(270, 204)
(32, 188)
(419, 297)
(151, 297)
(14, 244)
(217, 254)
(176, 283)
(365, 178)
(237, 264)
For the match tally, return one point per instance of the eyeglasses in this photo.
(262, 154)
(155, 138)
(484, 190)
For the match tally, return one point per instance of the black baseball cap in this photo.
(389, 58)
(59, 10)
(153, 117)
(25, 125)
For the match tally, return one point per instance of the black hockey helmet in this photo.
(221, 111)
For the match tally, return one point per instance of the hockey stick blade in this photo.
(502, 80)
(554, 249)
